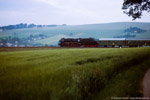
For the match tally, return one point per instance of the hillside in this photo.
(53, 34)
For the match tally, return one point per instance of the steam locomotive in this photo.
(79, 42)
(103, 42)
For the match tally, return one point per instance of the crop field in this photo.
(72, 73)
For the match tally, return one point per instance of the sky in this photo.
(70, 12)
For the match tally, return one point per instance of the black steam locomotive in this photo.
(79, 42)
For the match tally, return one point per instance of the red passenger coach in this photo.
(79, 42)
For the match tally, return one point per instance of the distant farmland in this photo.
(53, 34)
(72, 74)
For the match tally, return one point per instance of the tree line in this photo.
(21, 25)
(134, 30)
(15, 41)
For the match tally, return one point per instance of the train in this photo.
(103, 42)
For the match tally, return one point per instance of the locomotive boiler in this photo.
(78, 42)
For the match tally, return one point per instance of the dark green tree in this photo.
(135, 8)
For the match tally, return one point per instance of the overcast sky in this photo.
(71, 12)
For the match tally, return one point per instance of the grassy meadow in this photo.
(72, 74)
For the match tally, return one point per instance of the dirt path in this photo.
(146, 84)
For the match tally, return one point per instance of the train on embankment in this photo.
(103, 42)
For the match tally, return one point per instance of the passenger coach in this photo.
(123, 42)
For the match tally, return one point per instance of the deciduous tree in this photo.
(135, 8)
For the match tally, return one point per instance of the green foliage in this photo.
(134, 30)
(135, 8)
(127, 35)
(71, 74)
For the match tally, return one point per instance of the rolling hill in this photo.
(53, 34)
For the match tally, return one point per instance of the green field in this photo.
(72, 74)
